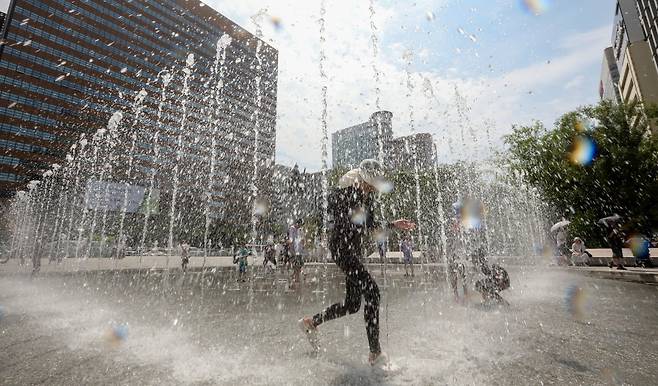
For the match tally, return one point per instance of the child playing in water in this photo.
(496, 279)
(240, 258)
(351, 210)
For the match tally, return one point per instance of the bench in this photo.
(603, 256)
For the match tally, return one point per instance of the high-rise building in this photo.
(648, 12)
(626, 29)
(352, 145)
(197, 94)
(411, 152)
(638, 79)
(609, 85)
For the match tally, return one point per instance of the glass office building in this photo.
(68, 66)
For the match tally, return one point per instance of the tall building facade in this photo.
(411, 152)
(638, 79)
(609, 85)
(352, 145)
(648, 12)
(193, 94)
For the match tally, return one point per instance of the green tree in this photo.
(621, 177)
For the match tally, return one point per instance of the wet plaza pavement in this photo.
(154, 327)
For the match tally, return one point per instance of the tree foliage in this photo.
(622, 177)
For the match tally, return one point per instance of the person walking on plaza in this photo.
(616, 242)
(284, 256)
(269, 256)
(456, 255)
(296, 250)
(382, 247)
(351, 217)
(184, 255)
(407, 249)
(561, 244)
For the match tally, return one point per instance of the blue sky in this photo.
(508, 65)
(508, 36)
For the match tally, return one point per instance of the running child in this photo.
(351, 211)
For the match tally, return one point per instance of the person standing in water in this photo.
(184, 255)
(351, 212)
(269, 256)
(296, 239)
(240, 258)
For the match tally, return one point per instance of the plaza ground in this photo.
(209, 329)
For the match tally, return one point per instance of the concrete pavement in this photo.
(182, 330)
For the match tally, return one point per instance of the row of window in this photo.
(11, 161)
(196, 21)
(11, 177)
(68, 84)
(24, 13)
(27, 117)
(66, 70)
(29, 132)
(165, 45)
(36, 119)
(108, 24)
(77, 21)
(48, 64)
(29, 148)
(38, 105)
(98, 93)
(83, 63)
(50, 93)
(64, 83)
(175, 32)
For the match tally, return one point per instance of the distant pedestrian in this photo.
(382, 246)
(407, 249)
(284, 255)
(36, 263)
(184, 255)
(456, 254)
(269, 256)
(615, 239)
(296, 239)
(122, 242)
(562, 248)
